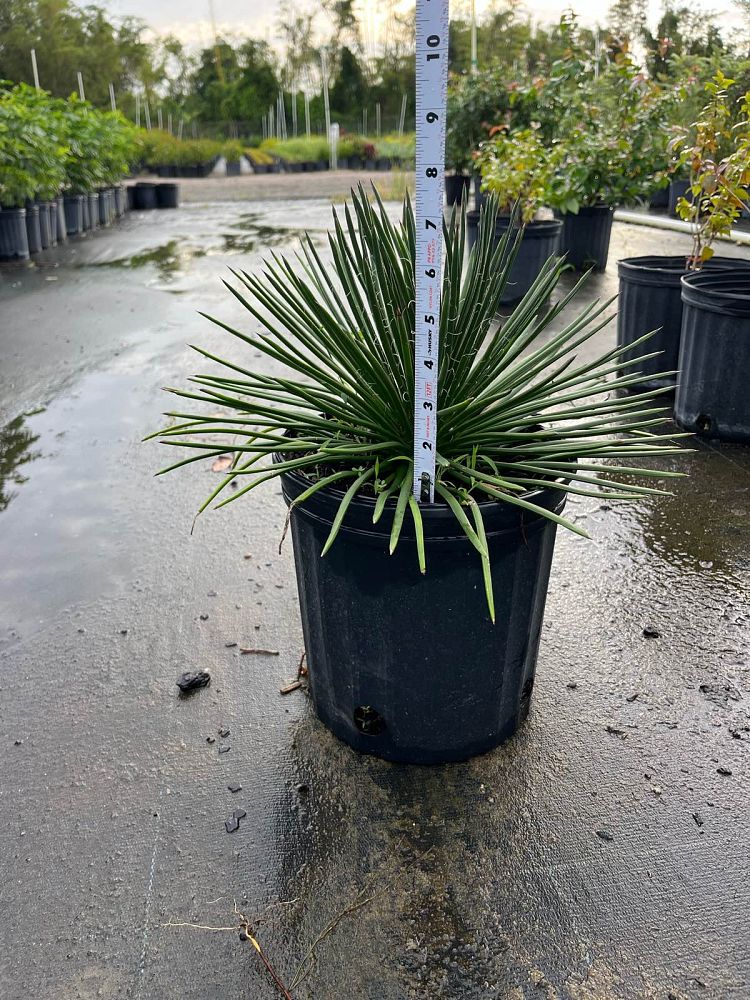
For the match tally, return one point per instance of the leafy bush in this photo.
(518, 169)
(718, 184)
(300, 150)
(49, 144)
(159, 148)
(232, 150)
(516, 409)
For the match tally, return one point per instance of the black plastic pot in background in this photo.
(660, 198)
(104, 213)
(85, 213)
(455, 185)
(121, 200)
(45, 231)
(410, 667)
(540, 241)
(14, 240)
(33, 232)
(383, 163)
(130, 197)
(145, 195)
(93, 210)
(167, 195)
(650, 299)
(74, 214)
(677, 189)
(585, 237)
(712, 396)
(233, 168)
(62, 229)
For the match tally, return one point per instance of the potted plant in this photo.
(428, 653)
(232, 152)
(17, 181)
(651, 287)
(712, 397)
(517, 169)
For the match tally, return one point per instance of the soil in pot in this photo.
(650, 299)
(33, 229)
(541, 240)
(14, 240)
(712, 396)
(74, 214)
(410, 667)
(167, 195)
(585, 237)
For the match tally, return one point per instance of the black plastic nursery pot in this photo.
(651, 299)
(145, 195)
(677, 189)
(455, 185)
(14, 240)
(383, 163)
(121, 202)
(586, 236)
(62, 229)
(48, 224)
(660, 198)
(410, 667)
(130, 197)
(105, 217)
(73, 214)
(33, 230)
(85, 213)
(540, 241)
(94, 209)
(167, 195)
(233, 168)
(712, 396)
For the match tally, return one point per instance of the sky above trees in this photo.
(189, 19)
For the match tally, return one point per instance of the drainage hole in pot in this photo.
(368, 721)
(703, 424)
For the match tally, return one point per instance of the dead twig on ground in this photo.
(244, 928)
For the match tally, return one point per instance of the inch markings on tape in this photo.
(432, 84)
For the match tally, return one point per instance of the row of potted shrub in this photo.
(61, 162)
(698, 303)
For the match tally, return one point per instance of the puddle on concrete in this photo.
(169, 259)
(247, 235)
(16, 452)
(64, 519)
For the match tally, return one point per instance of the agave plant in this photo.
(516, 411)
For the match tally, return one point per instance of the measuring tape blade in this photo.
(432, 84)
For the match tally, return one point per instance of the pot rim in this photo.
(724, 291)
(439, 521)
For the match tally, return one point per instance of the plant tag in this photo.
(432, 85)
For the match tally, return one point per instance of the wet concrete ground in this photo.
(489, 879)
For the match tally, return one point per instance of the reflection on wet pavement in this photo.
(168, 259)
(16, 441)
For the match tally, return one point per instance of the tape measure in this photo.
(432, 86)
